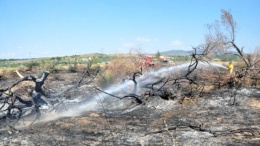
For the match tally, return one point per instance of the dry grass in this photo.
(24, 89)
(208, 88)
(94, 115)
(189, 101)
(253, 102)
(168, 115)
(118, 69)
(64, 125)
(83, 121)
(7, 73)
(122, 67)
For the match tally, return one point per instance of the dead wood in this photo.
(13, 107)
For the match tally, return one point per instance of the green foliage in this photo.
(9, 63)
(74, 66)
(157, 55)
(180, 58)
(42, 65)
(102, 59)
(50, 65)
(228, 57)
(31, 65)
(96, 61)
(51, 68)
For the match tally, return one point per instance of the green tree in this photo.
(157, 55)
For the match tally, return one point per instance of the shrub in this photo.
(22, 68)
(116, 70)
(72, 68)
(31, 65)
(51, 68)
(95, 66)
(81, 67)
(104, 80)
(3, 74)
(6, 73)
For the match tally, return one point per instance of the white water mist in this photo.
(76, 108)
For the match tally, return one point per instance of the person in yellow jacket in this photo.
(230, 67)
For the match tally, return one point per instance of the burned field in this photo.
(159, 122)
(149, 108)
(127, 103)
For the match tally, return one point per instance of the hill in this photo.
(177, 52)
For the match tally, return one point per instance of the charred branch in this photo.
(80, 83)
(14, 107)
(134, 96)
(134, 80)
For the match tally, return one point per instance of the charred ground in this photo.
(211, 119)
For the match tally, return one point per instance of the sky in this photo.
(48, 28)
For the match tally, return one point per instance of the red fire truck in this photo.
(149, 61)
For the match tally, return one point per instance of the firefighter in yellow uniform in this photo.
(230, 67)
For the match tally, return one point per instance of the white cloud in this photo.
(128, 45)
(176, 43)
(145, 39)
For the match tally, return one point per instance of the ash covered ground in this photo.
(208, 120)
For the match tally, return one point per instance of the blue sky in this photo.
(46, 28)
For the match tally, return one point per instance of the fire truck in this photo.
(149, 61)
(164, 60)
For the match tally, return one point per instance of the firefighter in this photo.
(230, 67)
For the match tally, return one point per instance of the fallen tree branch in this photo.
(136, 97)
